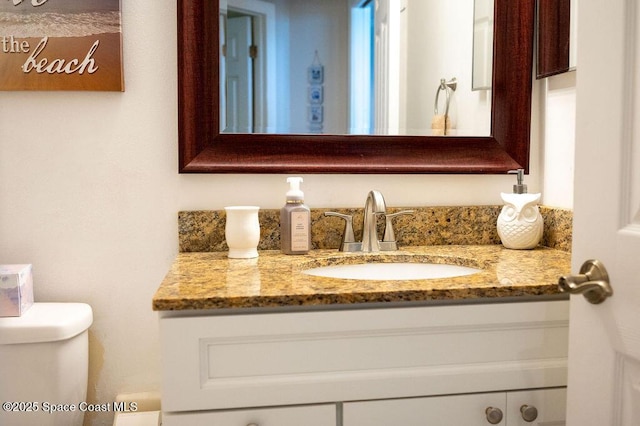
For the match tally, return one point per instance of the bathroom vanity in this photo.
(259, 342)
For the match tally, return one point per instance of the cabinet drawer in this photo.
(468, 410)
(549, 404)
(316, 415)
(456, 410)
(282, 359)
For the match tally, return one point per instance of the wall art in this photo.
(315, 95)
(61, 45)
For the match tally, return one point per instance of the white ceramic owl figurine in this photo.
(520, 223)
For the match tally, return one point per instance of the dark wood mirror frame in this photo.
(203, 149)
(553, 20)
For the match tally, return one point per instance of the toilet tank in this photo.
(44, 363)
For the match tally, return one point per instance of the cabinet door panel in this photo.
(210, 362)
(456, 410)
(549, 403)
(319, 415)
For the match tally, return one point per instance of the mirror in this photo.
(327, 59)
(203, 148)
(556, 37)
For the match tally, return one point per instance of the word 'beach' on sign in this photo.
(60, 66)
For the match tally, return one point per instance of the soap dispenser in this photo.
(520, 224)
(295, 221)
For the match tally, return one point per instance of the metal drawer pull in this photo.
(494, 415)
(592, 282)
(529, 413)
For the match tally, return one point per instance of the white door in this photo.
(387, 66)
(239, 75)
(223, 71)
(604, 353)
(265, 90)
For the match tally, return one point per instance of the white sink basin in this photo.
(392, 271)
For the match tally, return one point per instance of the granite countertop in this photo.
(209, 280)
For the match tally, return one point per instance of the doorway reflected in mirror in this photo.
(381, 66)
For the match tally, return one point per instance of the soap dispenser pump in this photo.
(520, 224)
(295, 221)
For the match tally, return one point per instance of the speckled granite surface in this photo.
(209, 280)
(558, 228)
(203, 231)
(202, 277)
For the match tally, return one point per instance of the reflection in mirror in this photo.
(482, 44)
(557, 35)
(378, 70)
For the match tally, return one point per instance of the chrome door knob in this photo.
(494, 415)
(529, 413)
(592, 282)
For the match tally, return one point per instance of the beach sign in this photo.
(61, 45)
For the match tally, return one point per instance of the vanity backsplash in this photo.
(203, 231)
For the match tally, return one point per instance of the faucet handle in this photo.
(389, 236)
(348, 242)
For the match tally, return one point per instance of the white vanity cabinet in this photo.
(325, 367)
(544, 407)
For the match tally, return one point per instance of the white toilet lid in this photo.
(46, 322)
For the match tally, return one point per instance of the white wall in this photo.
(90, 194)
(446, 33)
(558, 129)
(320, 26)
(306, 26)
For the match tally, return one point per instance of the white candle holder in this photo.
(242, 231)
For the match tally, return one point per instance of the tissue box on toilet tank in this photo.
(16, 290)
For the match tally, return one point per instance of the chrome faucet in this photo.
(373, 206)
(370, 243)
